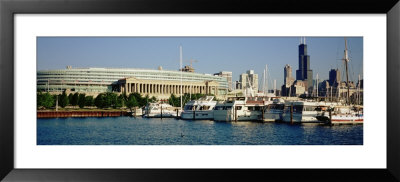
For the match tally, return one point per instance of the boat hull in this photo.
(198, 115)
(301, 117)
(272, 115)
(228, 115)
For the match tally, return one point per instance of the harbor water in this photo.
(170, 131)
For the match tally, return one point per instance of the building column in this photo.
(150, 88)
(157, 88)
(135, 87)
(167, 89)
(126, 88)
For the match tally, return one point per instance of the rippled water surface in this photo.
(141, 131)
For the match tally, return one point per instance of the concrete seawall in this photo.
(67, 114)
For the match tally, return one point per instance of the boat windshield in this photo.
(222, 107)
(188, 107)
(204, 108)
(275, 106)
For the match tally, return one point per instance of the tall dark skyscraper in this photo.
(304, 72)
(334, 77)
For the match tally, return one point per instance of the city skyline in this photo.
(213, 54)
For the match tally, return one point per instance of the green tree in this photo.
(70, 98)
(153, 99)
(39, 99)
(110, 100)
(89, 101)
(120, 101)
(63, 100)
(48, 100)
(75, 99)
(132, 102)
(141, 101)
(81, 100)
(99, 101)
(146, 100)
(173, 100)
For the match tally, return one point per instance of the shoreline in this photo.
(80, 113)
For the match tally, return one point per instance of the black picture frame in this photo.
(9, 8)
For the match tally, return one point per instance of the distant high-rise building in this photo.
(288, 79)
(334, 77)
(249, 79)
(228, 76)
(304, 72)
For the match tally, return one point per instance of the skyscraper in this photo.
(228, 76)
(334, 77)
(304, 72)
(288, 79)
(247, 77)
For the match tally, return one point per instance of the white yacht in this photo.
(274, 111)
(240, 109)
(158, 110)
(343, 115)
(303, 112)
(201, 109)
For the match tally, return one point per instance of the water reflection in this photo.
(169, 131)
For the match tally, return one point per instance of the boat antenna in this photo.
(346, 60)
(180, 62)
(266, 79)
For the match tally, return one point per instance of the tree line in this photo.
(106, 100)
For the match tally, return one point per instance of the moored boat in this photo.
(159, 110)
(201, 109)
(304, 111)
(343, 115)
(240, 109)
(274, 111)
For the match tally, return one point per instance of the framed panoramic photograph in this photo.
(125, 91)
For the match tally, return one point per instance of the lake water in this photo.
(143, 131)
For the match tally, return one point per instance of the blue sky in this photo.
(214, 54)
